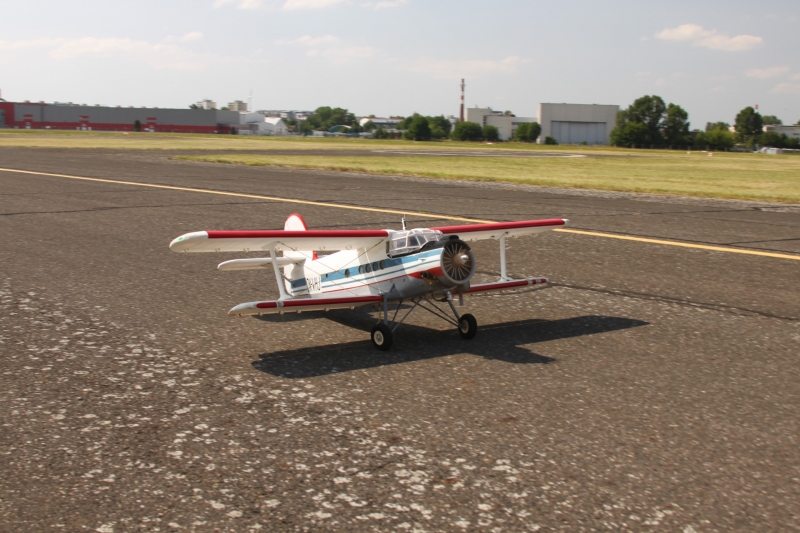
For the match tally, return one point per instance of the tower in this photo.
(461, 114)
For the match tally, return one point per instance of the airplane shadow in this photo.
(415, 343)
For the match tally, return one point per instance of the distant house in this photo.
(381, 121)
(258, 124)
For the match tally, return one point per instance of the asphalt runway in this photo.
(652, 388)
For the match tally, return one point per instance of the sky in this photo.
(397, 57)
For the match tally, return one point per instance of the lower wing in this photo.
(297, 305)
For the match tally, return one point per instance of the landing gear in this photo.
(382, 336)
(383, 331)
(467, 326)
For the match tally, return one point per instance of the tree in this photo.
(718, 138)
(550, 140)
(467, 131)
(324, 118)
(380, 133)
(748, 125)
(195, 106)
(441, 124)
(717, 125)
(676, 127)
(528, 132)
(508, 113)
(419, 129)
(773, 139)
(369, 126)
(771, 120)
(491, 133)
(642, 123)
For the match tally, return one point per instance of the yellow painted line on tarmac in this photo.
(411, 213)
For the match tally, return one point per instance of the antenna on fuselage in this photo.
(403, 221)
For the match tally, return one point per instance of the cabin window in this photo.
(383, 265)
(347, 272)
(410, 241)
(366, 267)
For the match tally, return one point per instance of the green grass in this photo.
(736, 176)
(726, 175)
(179, 141)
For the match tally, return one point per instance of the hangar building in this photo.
(577, 123)
(97, 118)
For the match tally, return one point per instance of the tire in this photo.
(467, 326)
(382, 337)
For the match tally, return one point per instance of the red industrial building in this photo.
(97, 118)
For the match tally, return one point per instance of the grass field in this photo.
(177, 141)
(738, 176)
(725, 175)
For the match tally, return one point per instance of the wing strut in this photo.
(278, 277)
(503, 274)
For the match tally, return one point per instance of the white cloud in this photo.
(791, 88)
(308, 40)
(331, 47)
(163, 55)
(660, 81)
(192, 36)
(466, 68)
(710, 38)
(384, 4)
(795, 77)
(241, 4)
(291, 5)
(764, 73)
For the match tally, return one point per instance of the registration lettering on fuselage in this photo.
(314, 284)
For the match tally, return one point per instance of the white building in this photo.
(793, 132)
(238, 105)
(206, 104)
(487, 117)
(577, 123)
(381, 121)
(258, 124)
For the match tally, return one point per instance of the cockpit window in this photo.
(406, 242)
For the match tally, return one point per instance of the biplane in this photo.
(321, 270)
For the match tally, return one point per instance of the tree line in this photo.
(651, 123)
(415, 127)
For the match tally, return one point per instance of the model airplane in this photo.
(369, 267)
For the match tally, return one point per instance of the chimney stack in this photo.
(461, 115)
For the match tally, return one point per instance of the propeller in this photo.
(458, 262)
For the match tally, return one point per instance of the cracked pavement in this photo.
(652, 388)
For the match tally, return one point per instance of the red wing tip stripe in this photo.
(282, 234)
(318, 301)
(507, 285)
(468, 228)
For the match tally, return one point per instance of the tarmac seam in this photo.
(401, 212)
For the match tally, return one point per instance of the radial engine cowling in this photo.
(457, 262)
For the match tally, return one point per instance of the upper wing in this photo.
(476, 232)
(247, 241)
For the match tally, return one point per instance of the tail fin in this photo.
(296, 271)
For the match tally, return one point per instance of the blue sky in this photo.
(401, 56)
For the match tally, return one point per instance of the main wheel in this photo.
(467, 326)
(382, 337)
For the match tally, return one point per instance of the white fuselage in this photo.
(364, 272)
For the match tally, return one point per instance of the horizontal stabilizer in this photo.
(477, 232)
(539, 283)
(302, 304)
(256, 263)
(281, 240)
